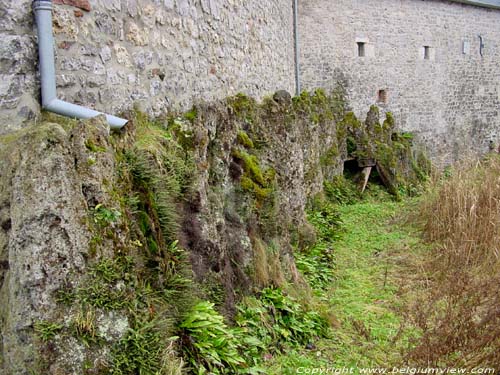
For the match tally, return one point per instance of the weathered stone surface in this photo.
(64, 23)
(450, 101)
(169, 4)
(283, 97)
(56, 179)
(82, 4)
(105, 54)
(137, 35)
(46, 186)
(186, 38)
(45, 243)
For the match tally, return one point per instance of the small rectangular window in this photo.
(361, 49)
(427, 53)
(382, 96)
(466, 47)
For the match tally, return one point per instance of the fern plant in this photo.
(208, 343)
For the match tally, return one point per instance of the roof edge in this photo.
(492, 4)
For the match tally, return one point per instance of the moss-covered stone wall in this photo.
(107, 240)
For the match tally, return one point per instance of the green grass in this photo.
(364, 295)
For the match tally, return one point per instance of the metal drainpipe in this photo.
(43, 14)
(296, 42)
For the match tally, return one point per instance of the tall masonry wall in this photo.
(159, 54)
(449, 95)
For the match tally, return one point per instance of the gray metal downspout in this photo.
(43, 14)
(296, 42)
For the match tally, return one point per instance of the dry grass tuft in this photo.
(267, 268)
(261, 273)
(460, 313)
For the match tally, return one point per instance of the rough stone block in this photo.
(82, 4)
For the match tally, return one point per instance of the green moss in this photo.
(374, 109)
(389, 121)
(319, 106)
(247, 184)
(269, 175)
(350, 121)
(351, 145)
(91, 146)
(251, 166)
(179, 130)
(191, 115)
(331, 156)
(259, 192)
(386, 155)
(390, 150)
(66, 122)
(243, 106)
(244, 140)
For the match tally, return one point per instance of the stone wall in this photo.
(97, 241)
(450, 100)
(160, 54)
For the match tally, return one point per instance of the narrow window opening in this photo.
(427, 52)
(466, 47)
(361, 49)
(382, 96)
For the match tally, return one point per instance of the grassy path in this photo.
(365, 296)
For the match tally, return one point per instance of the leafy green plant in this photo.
(104, 296)
(292, 323)
(65, 295)
(140, 351)
(274, 320)
(161, 171)
(104, 216)
(46, 330)
(112, 270)
(326, 219)
(106, 286)
(173, 269)
(317, 265)
(209, 344)
(341, 190)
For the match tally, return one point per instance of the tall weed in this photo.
(459, 314)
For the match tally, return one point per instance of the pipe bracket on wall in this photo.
(43, 15)
(481, 45)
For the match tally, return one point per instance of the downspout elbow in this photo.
(76, 111)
